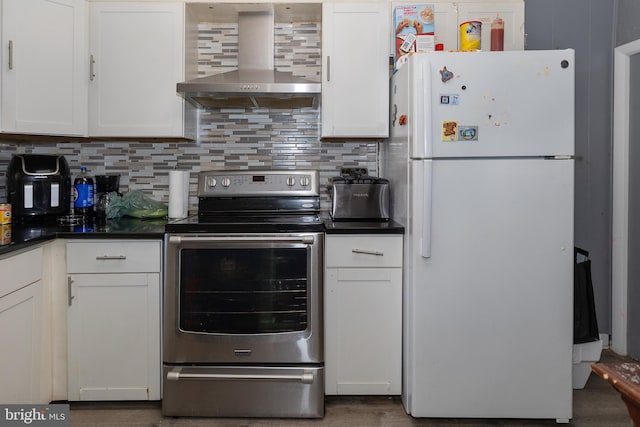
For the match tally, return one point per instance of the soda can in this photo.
(5, 213)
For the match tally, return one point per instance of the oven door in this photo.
(243, 298)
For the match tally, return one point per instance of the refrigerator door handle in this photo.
(427, 171)
(422, 122)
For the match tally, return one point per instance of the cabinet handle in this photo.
(366, 252)
(70, 297)
(11, 54)
(328, 68)
(92, 61)
(110, 257)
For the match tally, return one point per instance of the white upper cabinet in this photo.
(445, 23)
(355, 70)
(449, 15)
(136, 60)
(512, 13)
(44, 67)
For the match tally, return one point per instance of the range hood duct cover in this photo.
(255, 83)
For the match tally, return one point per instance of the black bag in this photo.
(585, 324)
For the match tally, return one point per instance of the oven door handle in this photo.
(227, 239)
(176, 374)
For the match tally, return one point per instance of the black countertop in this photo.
(25, 235)
(14, 237)
(362, 227)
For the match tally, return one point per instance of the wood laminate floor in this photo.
(597, 405)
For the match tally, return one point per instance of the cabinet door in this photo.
(20, 337)
(363, 330)
(445, 23)
(511, 12)
(355, 73)
(136, 55)
(114, 337)
(44, 67)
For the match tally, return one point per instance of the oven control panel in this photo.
(258, 183)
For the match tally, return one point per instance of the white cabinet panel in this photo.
(114, 321)
(44, 67)
(114, 337)
(449, 16)
(355, 73)
(511, 12)
(20, 334)
(446, 25)
(363, 251)
(131, 256)
(21, 327)
(136, 60)
(20, 270)
(363, 316)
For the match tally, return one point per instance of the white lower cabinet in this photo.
(20, 327)
(114, 320)
(363, 314)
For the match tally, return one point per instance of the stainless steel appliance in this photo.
(256, 82)
(39, 186)
(358, 196)
(243, 299)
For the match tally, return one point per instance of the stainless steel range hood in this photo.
(255, 83)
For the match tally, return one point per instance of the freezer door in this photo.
(488, 315)
(491, 104)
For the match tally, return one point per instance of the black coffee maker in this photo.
(39, 186)
(105, 184)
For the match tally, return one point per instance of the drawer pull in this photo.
(176, 375)
(110, 257)
(366, 252)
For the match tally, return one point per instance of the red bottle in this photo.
(497, 34)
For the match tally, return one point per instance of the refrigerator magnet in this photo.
(449, 99)
(449, 131)
(467, 133)
(445, 75)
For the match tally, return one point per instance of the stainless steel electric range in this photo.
(243, 299)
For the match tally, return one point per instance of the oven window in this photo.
(243, 291)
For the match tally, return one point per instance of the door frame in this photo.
(620, 195)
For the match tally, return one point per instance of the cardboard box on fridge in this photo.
(414, 31)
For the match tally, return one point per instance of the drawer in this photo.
(113, 256)
(363, 250)
(18, 271)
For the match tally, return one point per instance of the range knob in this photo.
(305, 180)
(226, 182)
(211, 181)
(291, 181)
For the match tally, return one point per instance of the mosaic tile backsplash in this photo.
(227, 139)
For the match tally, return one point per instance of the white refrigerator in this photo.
(481, 169)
